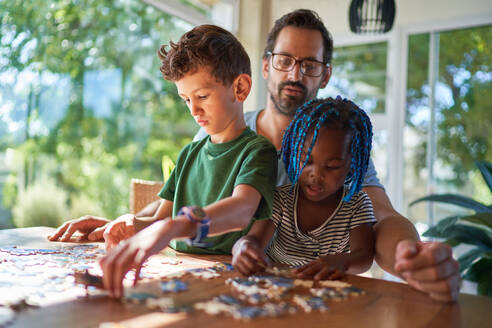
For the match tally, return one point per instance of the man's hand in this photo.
(430, 268)
(118, 230)
(323, 268)
(91, 227)
(247, 257)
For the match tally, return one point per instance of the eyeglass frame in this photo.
(325, 65)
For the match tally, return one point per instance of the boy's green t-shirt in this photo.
(207, 172)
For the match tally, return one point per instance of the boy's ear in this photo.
(241, 87)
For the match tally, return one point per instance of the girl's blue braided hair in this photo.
(332, 113)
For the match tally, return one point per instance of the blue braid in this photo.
(333, 113)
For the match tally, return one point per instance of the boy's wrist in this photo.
(197, 216)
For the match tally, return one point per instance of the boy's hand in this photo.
(247, 257)
(91, 227)
(323, 268)
(118, 230)
(430, 268)
(131, 254)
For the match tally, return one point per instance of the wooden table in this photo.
(386, 304)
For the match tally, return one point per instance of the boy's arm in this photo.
(97, 228)
(228, 214)
(333, 266)
(241, 205)
(231, 213)
(164, 210)
(128, 225)
(150, 209)
(248, 254)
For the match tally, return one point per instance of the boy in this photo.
(228, 177)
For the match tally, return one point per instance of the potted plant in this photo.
(474, 230)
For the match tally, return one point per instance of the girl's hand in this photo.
(323, 268)
(247, 257)
(131, 254)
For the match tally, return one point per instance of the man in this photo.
(301, 40)
(297, 40)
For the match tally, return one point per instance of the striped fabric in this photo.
(291, 246)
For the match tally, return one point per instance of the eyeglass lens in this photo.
(286, 63)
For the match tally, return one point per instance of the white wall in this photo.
(408, 12)
(258, 16)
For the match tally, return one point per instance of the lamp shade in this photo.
(371, 16)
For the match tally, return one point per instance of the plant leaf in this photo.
(469, 257)
(484, 219)
(452, 242)
(437, 230)
(457, 200)
(469, 235)
(486, 170)
(482, 266)
(485, 285)
(480, 273)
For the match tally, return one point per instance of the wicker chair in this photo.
(143, 192)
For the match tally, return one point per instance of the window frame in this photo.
(393, 120)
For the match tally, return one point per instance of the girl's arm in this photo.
(248, 256)
(357, 261)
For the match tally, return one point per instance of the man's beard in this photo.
(288, 104)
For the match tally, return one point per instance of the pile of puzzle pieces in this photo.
(272, 294)
(40, 277)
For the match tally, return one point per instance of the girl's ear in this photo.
(242, 87)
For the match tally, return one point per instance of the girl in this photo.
(322, 223)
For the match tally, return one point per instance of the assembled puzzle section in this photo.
(40, 277)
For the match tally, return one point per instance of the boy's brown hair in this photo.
(205, 46)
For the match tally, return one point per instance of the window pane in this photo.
(463, 117)
(359, 73)
(83, 105)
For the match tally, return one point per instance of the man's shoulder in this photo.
(250, 119)
(252, 114)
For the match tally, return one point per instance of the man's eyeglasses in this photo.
(286, 63)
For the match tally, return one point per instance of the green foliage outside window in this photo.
(88, 153)
(463, 115)
(474, 230)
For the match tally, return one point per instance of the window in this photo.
(83, 106)
(359, 74)
(443, 137)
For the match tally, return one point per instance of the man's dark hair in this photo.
(302, 18)
(205, 46)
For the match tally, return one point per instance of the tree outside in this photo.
(83, 105)
(463, 116)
